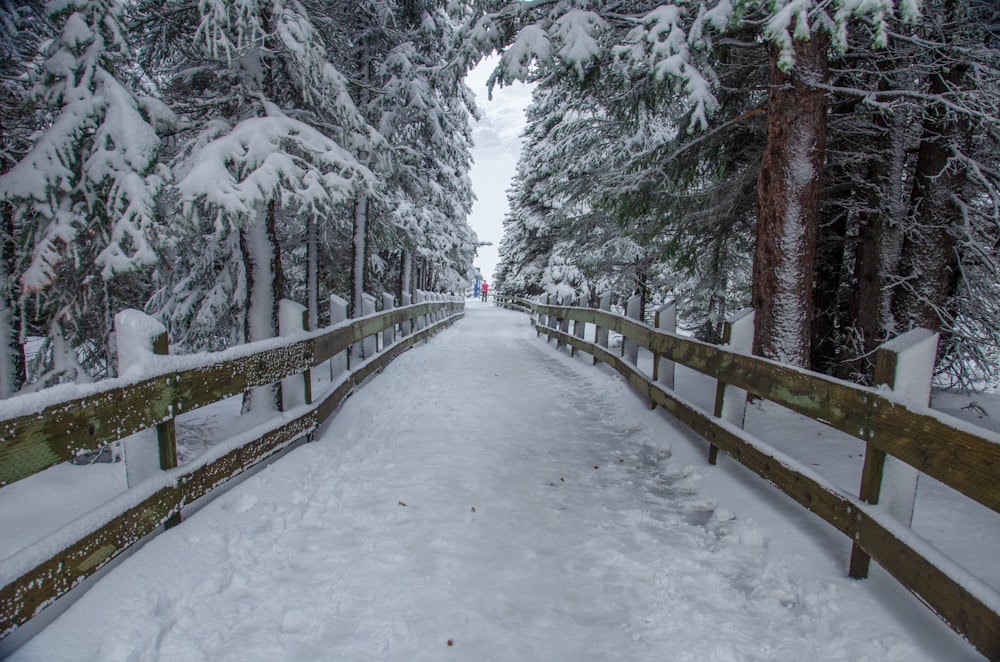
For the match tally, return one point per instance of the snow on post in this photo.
(368, 344)
(420, 297)
(731, 402)
(906, 365)
(633, 309)
(295, 390)
(139, 337)
(406, 325)
(665, 319)
(579, 328)
(543, 320)
(389, 334)
(563, 321)
(601, 334)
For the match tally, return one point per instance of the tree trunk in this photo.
(929, 265)
(878, 246)
(827, 309)
(359, 252)
(312, 274)
(406, 273)
(787, 202)
(264, 287)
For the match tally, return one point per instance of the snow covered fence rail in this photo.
(963, 457)
(40, 430)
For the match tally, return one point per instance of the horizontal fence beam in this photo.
(40, 583)
(32, 442)
(965, 460)
(964, 602)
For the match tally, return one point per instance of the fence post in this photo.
(368, 343)
(633, 309)
(341, 362)
(601, 333)
(406, 299)
(138, 337)
(579, 327)
(563, 321)
(419, 297)
(731, 402)
(906, 365)
(389, 334)
(295, 390)
(665, 319)
(543, 320)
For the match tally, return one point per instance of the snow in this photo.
(487, 497)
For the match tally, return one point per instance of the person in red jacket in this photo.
(484, 288)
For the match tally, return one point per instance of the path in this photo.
(485, 498)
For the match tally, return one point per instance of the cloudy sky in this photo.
(497, 145)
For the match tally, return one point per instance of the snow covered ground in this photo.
(489, 498)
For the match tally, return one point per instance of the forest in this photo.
(831, 163)
(201, 160)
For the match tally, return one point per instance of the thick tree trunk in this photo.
(312, 274)
(878, 247)
(264, 289)
(929, 265)
(788, 199)
(828, 276)
(359, 253)
(406, 273)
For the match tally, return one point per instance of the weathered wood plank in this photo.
(964, 460)
(23, 598)
(36, 441)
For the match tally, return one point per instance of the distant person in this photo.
(484, 289)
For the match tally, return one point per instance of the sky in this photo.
(497, 146)
(585, 527)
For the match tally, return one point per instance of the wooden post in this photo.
(731, 402)
(633, 309)
(579, 328)
(406, 326)
(368, 344)
(906, 365)
(138, 337)
(601, 333)
(665, 319)
(389, 334)
(338, 314)
(295, 390)
(563, 323)
(420, 297)
(543, 320)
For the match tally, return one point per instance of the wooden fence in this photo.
(35, 436)
(937, 445)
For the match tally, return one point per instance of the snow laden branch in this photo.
(237, 171)
(664, 40)
(95, 170)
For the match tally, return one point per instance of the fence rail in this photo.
(35, 436)
(933, 443)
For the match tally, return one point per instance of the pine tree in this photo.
(269, 126)
(83, 198)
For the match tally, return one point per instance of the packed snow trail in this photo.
(485, 498)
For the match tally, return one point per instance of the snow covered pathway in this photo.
(485, 498)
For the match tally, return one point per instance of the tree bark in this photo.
(788, 191)
(261, 255)
(929, 264)
(359, 253)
